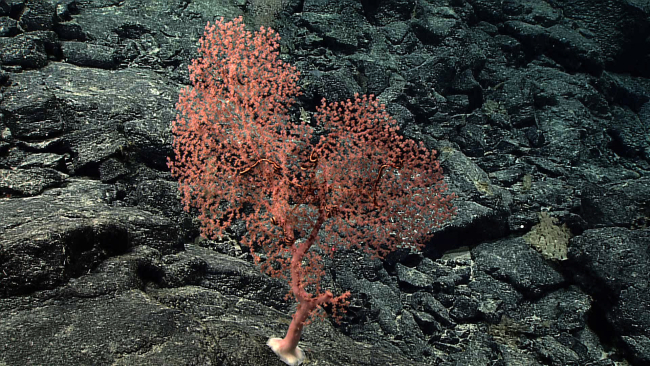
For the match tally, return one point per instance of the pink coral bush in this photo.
(356, 183)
